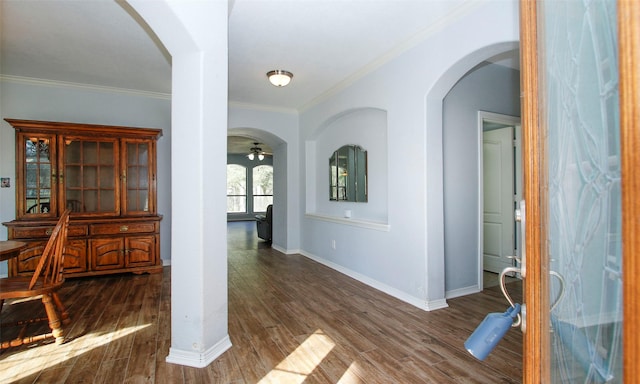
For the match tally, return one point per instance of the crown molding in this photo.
(90, 87)
(260, 107)
(411, 42)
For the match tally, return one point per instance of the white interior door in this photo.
(498, 195)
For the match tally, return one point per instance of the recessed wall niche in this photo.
(366, 128)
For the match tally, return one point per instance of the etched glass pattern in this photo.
(582, 116)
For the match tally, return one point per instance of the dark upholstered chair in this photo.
(264, 224)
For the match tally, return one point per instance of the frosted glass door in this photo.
(579, 78)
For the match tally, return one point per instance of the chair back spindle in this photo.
(50, 266)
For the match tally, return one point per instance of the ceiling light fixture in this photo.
(255, 151)
(279, 77)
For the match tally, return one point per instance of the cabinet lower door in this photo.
(75, 256)
(25, 264)
(140, 251)
(107, 253)
(75, 259)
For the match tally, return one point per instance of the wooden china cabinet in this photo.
(106, 176)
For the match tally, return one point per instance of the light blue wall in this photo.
(404, 254)
(489, 88)
(398, 245)
(49, 102)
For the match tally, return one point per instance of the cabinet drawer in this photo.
(31, 232)
(113, 229)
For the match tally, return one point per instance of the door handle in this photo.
(485, 337)
(520, 316)
(521, 217)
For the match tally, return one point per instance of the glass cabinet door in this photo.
(138, 177)
(38, 171)
(91, 175)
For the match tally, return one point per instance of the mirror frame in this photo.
(348, 174)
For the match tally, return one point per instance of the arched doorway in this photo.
(279, 150)
(448, 265)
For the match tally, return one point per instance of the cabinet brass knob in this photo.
(124, 228)
(48, 232)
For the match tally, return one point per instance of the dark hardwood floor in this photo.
(291, 320)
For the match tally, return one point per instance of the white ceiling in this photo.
(93, 42)
(325, 43)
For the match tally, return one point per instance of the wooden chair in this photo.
(46, 281)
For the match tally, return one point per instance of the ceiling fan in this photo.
(256, 151)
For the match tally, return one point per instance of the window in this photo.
(236, 188)
(262, 187)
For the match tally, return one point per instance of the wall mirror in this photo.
(348, 174)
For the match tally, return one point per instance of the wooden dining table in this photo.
(10, 249)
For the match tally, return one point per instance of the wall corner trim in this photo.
(196, 359)
(432, 305)
(285, 250)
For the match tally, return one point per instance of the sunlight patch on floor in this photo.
(301, 362)
(42, 356)
(350, 376)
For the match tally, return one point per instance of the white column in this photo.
(195, 33)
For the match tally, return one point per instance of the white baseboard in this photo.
(199, 360)
(416, 302)
(461, 292)
(284, 250)
(166, 263)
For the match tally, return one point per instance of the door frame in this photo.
(507, 120)
(629, 45)
(536, 361)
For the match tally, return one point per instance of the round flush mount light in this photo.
(279, 77)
